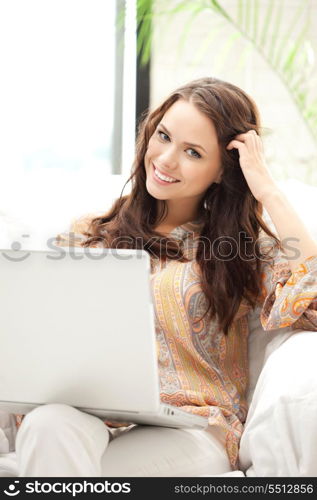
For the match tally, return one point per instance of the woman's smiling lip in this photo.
(166, 175)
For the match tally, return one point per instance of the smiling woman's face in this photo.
(183, 155)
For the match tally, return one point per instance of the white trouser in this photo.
(59, 440)
(280, 434)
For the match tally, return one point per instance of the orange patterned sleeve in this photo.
(289, 298)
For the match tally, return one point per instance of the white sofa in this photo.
(283, 380)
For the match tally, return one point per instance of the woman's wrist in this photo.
(270, 194)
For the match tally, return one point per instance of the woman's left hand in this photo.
(253, 165)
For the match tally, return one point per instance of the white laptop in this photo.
(77, 327)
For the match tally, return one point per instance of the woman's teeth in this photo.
(163, 177)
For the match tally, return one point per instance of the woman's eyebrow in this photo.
(187, 143)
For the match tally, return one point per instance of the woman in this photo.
(199, 185)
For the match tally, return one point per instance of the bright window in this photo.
(58, 63)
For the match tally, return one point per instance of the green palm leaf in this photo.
(289, 34)
(275, 31)
(195, 11)
(267, 23)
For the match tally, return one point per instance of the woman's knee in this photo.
(48, 417)
(163, 451)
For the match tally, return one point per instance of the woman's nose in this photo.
(169, 159)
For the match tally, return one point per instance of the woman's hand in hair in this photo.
(253, 164)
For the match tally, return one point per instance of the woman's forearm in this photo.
(297, 243)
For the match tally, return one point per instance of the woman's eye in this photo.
(194, 154)
(162, 135)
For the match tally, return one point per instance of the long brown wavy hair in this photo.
(228, 210)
